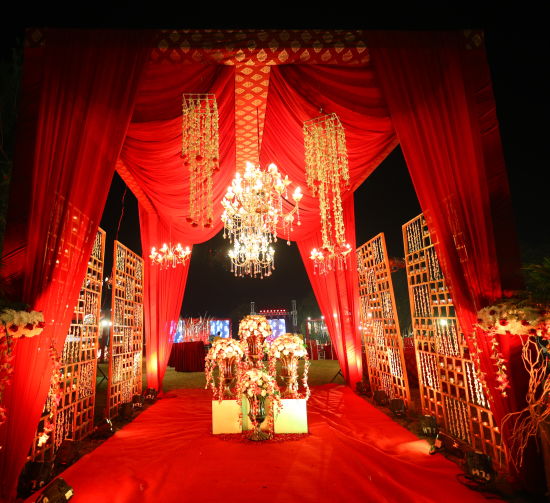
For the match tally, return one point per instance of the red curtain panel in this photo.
(86, 86)
(439, 94)
(296, 94)
(337, 294)
(162, 299)
(153, 167)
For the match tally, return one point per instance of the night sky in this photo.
(517, 50)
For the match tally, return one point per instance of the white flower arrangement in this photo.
(258, 387)
(288, 349)
(513, 317)
(287, 344)
(225, 348)
(22, 323)
(258, 383)
(254, 325)
(223, 354)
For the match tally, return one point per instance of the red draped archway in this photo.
(96, 101)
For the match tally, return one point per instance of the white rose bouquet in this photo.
(253, 330)
(227, 355)
(257, 386)
(288, 349)
(22, 323)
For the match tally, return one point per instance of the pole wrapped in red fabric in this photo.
(83, 92)
(439, 94)
(162, 299)
(337, 294)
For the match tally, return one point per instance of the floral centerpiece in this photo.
(227, 355)
(6, 368)
(513, 316)
(253, 330)
(288, 349)
(22, 323)
(14, 324)
(530, 321)
(258, 386)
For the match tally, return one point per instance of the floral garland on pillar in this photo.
(531, 322)
(288, 349)
(511, 317)
(253, 330)
(227, 355)
(14, 324)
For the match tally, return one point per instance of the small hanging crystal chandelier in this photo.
(327, 175)
(253, 210)
(169, 256)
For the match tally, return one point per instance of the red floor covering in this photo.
(354, 453)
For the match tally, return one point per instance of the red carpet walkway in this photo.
(354, 454)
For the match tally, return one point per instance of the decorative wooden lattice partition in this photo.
(381, 336)
(74, 417)
(126, 340)
(449, 387)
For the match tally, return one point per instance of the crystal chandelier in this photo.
(169, 256)
(200, 153)
(253, 210)
(327, 175)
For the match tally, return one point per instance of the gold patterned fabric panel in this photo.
(261, 47)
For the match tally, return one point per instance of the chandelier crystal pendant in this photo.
(328, 176)
(200, 146)
(169, 256)
(253, 210)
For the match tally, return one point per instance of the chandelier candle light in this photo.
(253, 210)
(200, 146)
(327, 175)
(170, 256)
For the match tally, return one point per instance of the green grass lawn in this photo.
(320, 372)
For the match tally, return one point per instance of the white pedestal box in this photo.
(293, 416)
(225, 417)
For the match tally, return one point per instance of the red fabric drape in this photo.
(296, 93)
(86, 83)
(443, 110)
(152, 150)
(162, 299)
(337, 294)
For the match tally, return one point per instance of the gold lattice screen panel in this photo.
(126, 340)
(382, 341)
(74, 418)
(449, 387)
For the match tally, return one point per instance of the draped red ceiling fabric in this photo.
(162, 300)
(296, 94)
(82, 118)
(152, 150)
(442, 106)
(337, 294)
